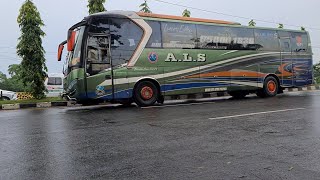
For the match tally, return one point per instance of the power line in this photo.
(230, 15)
(6, 47)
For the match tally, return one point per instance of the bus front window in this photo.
(111, 41)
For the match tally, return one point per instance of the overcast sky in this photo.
(59, 15)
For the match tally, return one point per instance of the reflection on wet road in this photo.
(253, 138)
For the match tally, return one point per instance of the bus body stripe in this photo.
(185, 71)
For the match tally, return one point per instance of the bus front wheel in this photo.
(145, 93)
(270, 88)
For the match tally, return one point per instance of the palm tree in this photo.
(186, 13)
(96, 6)
(280, 26)
(316, 71)
(252, 23)
(144, 7)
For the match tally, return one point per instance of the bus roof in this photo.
(163, 17)
(170, 17)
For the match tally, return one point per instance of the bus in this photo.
(54, 84)
(126, 57)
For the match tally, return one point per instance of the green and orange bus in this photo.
(126, 57)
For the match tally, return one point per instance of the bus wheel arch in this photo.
(146, 92)
(271, 86)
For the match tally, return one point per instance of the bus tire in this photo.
(238, 94)
(145, 93)
(270, 88)
(160, 99)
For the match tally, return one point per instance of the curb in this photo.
(197, 96)
(309, 88)
(35, 105)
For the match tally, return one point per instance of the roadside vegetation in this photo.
(33, 67)
(13, 82)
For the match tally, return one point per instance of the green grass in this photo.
(53, 99)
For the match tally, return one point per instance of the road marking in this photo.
(176, 105)
(257, 113)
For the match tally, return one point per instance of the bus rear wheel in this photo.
(270, 88)
(145, 93)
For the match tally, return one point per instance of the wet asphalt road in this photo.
(276, 138)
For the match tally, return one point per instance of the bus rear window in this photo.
(299, 42)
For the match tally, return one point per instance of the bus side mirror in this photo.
(60, 50)
(71, 40)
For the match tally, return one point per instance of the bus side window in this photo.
(266, 40)
(155, 40)
(213, 37)
(125, 38)
(225, 38)
(179, 35)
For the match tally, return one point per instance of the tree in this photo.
(303, 29)
(144, 7)
(280, 26)
(316, 73)
(186, 13)
(96, 6)
(252, 23)
(3, 77)
(29, 48)
(14, 82)
(14, 70)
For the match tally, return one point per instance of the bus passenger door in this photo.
(121, 84)
(286, 68)
(99, 70)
